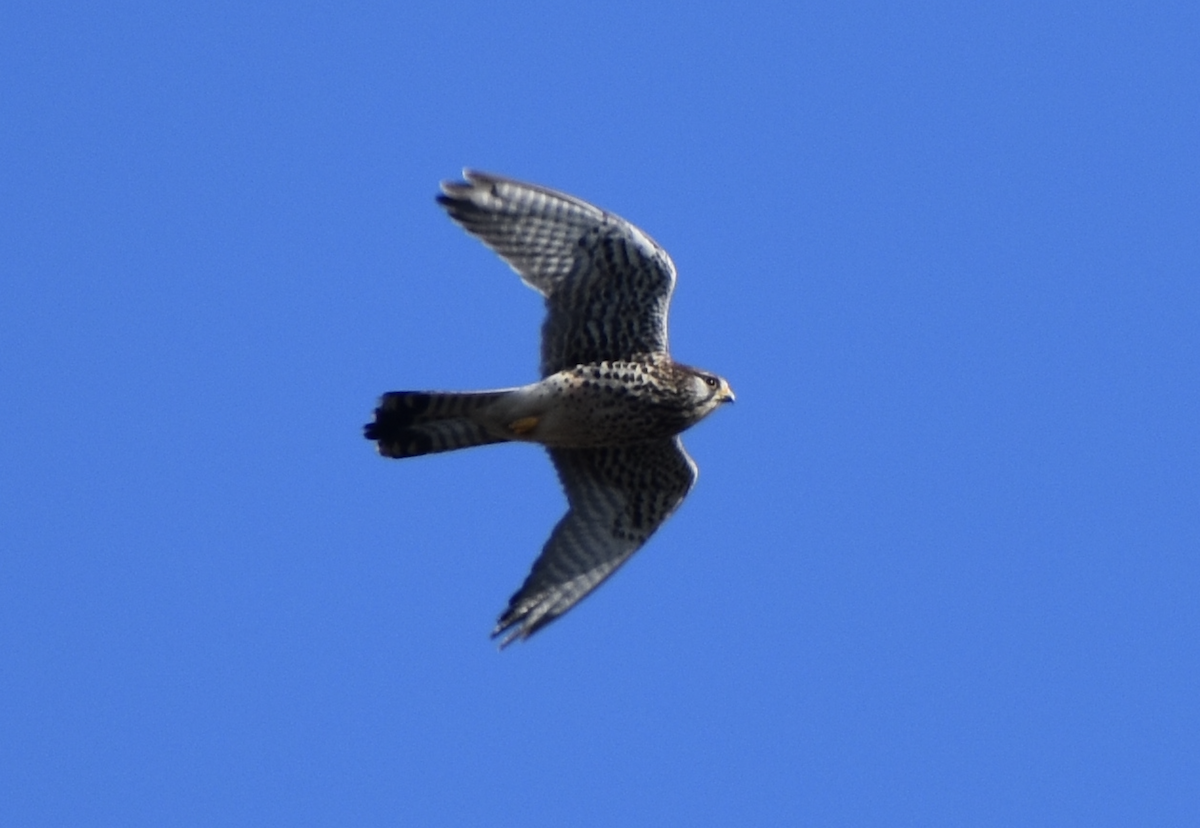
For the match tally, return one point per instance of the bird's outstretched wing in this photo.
(607, 284)
(618, 497)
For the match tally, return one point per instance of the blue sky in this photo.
(940, 567)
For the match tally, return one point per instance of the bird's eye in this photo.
(711, 382)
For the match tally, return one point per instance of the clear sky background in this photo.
(941, 565)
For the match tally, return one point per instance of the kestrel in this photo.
(611, 402)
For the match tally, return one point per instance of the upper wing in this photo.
(618, 497)
(607, 284)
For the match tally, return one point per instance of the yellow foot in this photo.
(523, 426)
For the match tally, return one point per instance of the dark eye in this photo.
(711, 382)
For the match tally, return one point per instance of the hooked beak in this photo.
(727, 394)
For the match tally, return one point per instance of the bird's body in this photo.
(588, 406)
(611, 402)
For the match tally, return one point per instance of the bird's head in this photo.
(709, 392)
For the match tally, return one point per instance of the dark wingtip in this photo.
(510, 632)
(514, 624)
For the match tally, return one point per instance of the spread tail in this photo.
(412, 423)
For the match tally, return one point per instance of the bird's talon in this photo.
(523, 426)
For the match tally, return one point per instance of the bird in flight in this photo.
(611, 402)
